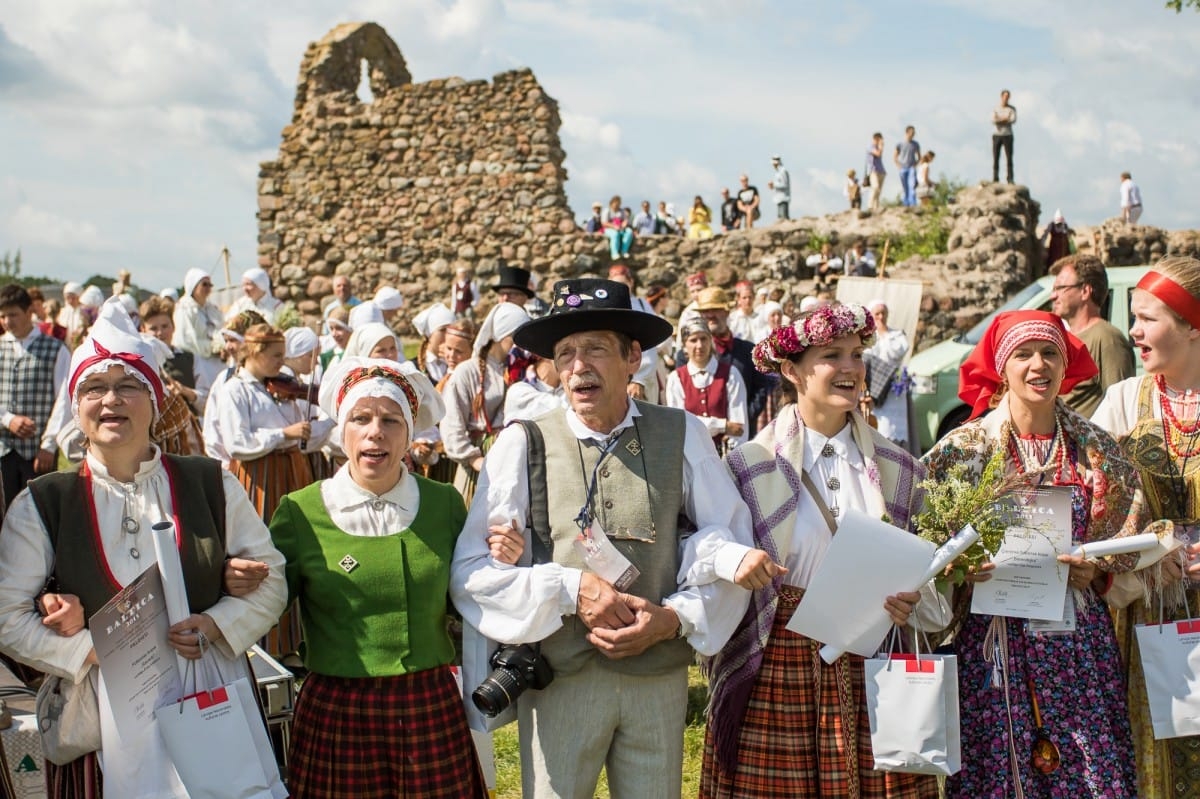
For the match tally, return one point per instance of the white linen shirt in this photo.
(735, 396)
(250, 422)
(811, 535)
(525, 603)
(529, 399)
(357, 511)
(267, 305)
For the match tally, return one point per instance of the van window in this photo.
(1017, 302)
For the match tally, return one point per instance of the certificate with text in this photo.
(1029, 582)
(130, 637)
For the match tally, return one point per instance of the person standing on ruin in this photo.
(875, 173)
(907, 155)
(1004, 116)
(781, 184)
(1131, 200)
(464, 294)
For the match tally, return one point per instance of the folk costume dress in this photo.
(139, 767)
(267, 465)
(781, 720)
(1078, 677)
(380, 715)
(1133, 411)
(716, 394)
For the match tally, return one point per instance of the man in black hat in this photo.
(512, 284)
(603, 595)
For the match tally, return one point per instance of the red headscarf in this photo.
(980, 374)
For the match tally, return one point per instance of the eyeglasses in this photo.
(1065, 286)
(205, 283)
(126, 390)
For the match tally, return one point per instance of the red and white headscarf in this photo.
(114, 341)
(981, 373)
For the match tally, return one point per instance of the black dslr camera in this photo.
(514, 668)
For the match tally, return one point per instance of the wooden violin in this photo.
(285, 387)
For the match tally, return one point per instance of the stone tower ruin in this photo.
(424, 178)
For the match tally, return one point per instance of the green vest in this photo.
(64, 502)
(372, 606)
(655, 447)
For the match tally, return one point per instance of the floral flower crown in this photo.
(823, 326)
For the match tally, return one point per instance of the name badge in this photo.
(604, 559)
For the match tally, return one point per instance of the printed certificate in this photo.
(1029, 582)
(130, 637)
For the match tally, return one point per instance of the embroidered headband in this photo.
(359, 375)
(1032, 330)
(823, 326)
(1173, 295)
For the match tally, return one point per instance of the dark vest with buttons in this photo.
(654, 447)
(65, 504)
(27, 389)
(712, 400)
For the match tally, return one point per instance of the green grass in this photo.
(508, 756)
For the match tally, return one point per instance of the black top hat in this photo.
(512, 277)
(590, 304)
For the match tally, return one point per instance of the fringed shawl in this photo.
(767, 472)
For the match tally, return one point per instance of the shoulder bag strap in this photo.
(539, 512)
(821, 506)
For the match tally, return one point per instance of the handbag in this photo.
(218, 744)
(1171, 665)
(912, 703)
(68, 716)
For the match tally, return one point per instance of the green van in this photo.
(936, 408)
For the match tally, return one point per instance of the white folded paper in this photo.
(867, 561)
(1117, 546)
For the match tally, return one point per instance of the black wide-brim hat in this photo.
(512, 277)
(586, 304)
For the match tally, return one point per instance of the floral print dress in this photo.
(1078, 676)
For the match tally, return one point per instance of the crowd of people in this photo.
(602, 495)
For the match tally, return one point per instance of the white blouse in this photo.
(357, 511)
(250, 421)
(529, 399)
(735, 394)
(811, 535)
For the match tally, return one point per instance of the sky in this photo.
(131, 130)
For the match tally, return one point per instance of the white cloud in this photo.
(38, 227)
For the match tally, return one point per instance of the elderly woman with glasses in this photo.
(84, 534)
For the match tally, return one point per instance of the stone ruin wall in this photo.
(432, 176)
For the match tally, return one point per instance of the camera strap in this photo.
(539, 510)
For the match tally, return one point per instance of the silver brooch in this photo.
(634, 447)
(348, 564)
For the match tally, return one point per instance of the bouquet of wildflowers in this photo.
(961, 498)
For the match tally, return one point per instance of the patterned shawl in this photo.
(1112, 482)
(767, 472)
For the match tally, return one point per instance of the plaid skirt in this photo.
(177, 430)
(805, 724)
(266, 480)
(383, 738)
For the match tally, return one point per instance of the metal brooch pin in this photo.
(348, 564)
(634, 447)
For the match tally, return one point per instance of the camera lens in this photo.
(497, 692)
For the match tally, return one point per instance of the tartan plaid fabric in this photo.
(383, 738)
(266, 480)
(793, 738)
(177, 431)
(27, 388)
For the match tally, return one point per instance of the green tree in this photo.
(10, 267)
(1179, 5)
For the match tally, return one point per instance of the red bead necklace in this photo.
(1171, 423)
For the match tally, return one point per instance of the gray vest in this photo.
(654, 446)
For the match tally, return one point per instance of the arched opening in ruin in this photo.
(364, 93)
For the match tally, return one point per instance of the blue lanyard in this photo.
(584, 519)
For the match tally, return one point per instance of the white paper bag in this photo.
(913, 706)
(1171, 663)
(219, 746)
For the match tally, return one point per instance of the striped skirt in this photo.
(805, 725)
(382, 738)
(79, 779)
(266, 480)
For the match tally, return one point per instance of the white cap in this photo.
(72, 288)
(91, 297)
(259, 277)
(364, 314)
(298, 341)
(434, 317)
(171, 294)
(388, 299)
(502, 321)
(1058, 217)
(192, 278)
